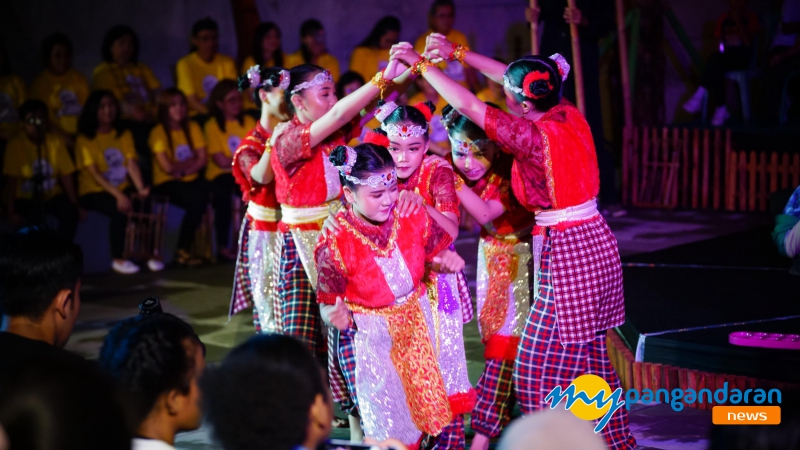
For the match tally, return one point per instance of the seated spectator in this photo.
(551, 429)
(38, 172)
(441, 18)
(12, 96)
(313, 49)
(62, 88)
(132, 82)
(269, 391)
(156, 362)
(179, 150)
(199, 71)
(267, 52)
(108, 173)
(372, 54)
(786, 234)
(225, 129)
(50, 399)
(736, 32)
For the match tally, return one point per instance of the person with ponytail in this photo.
(483, 185)
(224, 131)
(266, 52)
(371, 287)
(429, 181)
(577, 290)
(307, 185)
(259, 243)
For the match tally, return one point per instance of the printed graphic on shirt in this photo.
(8, 113)
(70, 106)
(183, 153)
(116, 172)
(209, 81)
(233, 142)
(455, 71)
(137, 89)
(42, 173)
(437, 131)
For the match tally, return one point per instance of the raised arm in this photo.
(438, 46)
(456, 95)
(484, 211)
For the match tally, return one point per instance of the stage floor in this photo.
(201, 296)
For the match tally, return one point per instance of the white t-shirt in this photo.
(790, 13)
(150, 444)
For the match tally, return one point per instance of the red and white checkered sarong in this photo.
(587, 279)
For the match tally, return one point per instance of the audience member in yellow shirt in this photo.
(313, 49)
(106, 162)
(493, 93)
(225, 129)
(199, 71)
(38, 171)
(372, 54)
(439, 139)
(12, 96)
(441, 18)
(132, 82)
(62, 88)
(266, 52)
(179, 150)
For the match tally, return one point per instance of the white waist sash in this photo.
(296, 216)
(583, 211)
(262, 213)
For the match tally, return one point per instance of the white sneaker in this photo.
(155, 265)
(695, 103)
(125, 267)
(720, 116)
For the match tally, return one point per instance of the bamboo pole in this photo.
(622, 40)
(533, 19)
(577, 66)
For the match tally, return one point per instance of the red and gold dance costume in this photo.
(307, 187)
(379, 271)
(577, 293)
(259, 244)
(504, 252)
(434, 180)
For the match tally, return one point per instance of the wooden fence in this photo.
(700, 169)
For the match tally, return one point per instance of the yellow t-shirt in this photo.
(23, 163)
(225, 142)
(64, 96)
(326, 61)
(180, 150)
(133, 83)
(436, 130)
(367, 61)
(12, 96)
(110, 154)
(486, 95)
(197, 77)
(250, 62)
(453, 69)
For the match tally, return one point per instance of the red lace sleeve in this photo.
(443, 191)
(243, 161)
(293, 146)
(524, 140)
(331, 280)
(437, 239)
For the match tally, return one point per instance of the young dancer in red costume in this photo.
(259, 245)
(577, 290)
(371, 272)
(484, 188)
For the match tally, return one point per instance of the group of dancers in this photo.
(350, 249)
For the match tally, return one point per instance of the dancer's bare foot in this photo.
(479, 442)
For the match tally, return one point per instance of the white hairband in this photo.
(349, 162)
(375, 181)
(385, 111)
(404, 131)
(319, 78)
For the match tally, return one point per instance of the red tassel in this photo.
(424, 109)
(373, 137)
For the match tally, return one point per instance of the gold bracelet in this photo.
(421, 66)
(459, 51)
(459, 182)
(381, 83)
